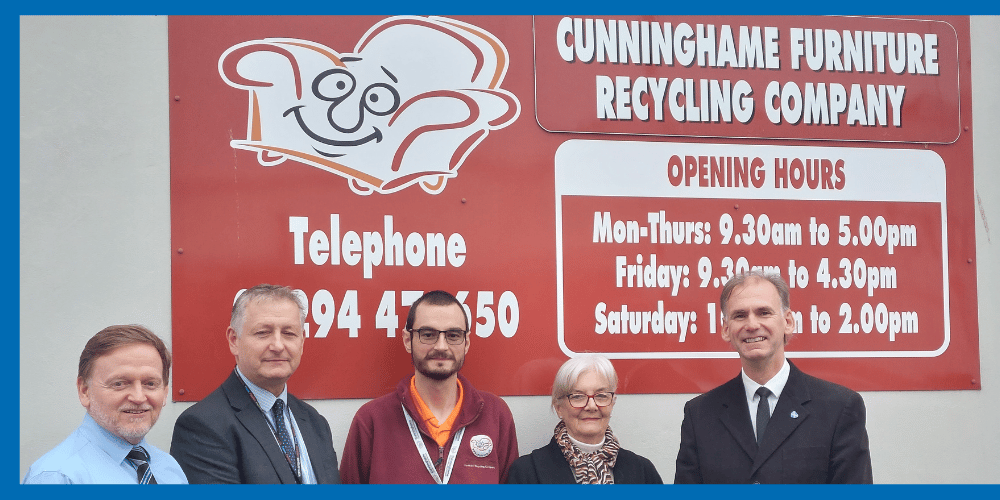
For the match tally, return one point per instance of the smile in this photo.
(374, 136)
(753, 339)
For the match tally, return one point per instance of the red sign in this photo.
(365, 160)
(858, 79)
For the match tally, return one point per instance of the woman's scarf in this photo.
(589, 468)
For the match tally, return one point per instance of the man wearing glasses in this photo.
(436, 427)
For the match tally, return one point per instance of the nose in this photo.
(277, 344)
(591, 404)
(753, 322)
(347, 115)
(136, 393)
(441, 343)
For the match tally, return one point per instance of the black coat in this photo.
(816, 435)
(224, 438)
(547, 465)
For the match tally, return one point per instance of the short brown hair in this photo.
(754, 274)
(434, 298)
(116, 336)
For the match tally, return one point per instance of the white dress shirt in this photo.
(775, 385)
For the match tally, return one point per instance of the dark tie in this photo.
(286, 441)
(140, 460)
(763, 412)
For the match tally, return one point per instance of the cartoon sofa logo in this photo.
(416, 96)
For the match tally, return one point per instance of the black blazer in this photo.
(224, 438)
(816, 435)
(547, 465)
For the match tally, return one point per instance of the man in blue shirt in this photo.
(122, 382)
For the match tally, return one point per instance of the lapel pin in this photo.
(795, 414)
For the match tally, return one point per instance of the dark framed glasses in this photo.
(430, 336)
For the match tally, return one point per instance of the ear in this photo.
(559, 407)
(231, 338)
(407, 341)
(725, 331)
(789, 325)
(83, 390)
(468, 341)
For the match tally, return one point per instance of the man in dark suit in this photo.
(250, 429)
(797, 429)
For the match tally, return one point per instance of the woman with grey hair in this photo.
(583, 449)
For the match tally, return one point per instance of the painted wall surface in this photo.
(96, 250)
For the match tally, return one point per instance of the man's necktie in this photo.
(763, 412)
(286, 441)
(140, 460)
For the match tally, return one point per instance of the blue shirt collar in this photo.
(264, 397)
(113, 445)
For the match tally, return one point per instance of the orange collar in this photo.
(440, 432)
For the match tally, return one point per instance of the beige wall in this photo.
(95, 251)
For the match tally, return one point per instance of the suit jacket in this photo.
(547, 465)
(816, 435)
(224, 438)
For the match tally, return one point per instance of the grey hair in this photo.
(571, 370)
(263, 292)
(742, 279)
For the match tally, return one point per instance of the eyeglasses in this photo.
(601, 399)
(430, 336)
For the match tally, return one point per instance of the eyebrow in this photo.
(394, 80)
(756, 310)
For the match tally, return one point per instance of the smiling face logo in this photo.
(407, 107)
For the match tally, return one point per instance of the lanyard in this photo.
(274, 432)
(456, 442)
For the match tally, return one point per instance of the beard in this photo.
(129, 432)
(424, 365)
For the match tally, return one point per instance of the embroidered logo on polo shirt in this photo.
(481, 445)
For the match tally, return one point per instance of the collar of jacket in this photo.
(472, 405)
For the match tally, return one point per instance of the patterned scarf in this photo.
(589, 468)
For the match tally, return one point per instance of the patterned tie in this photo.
(140, 460)
(763, 412)
(286, 441)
